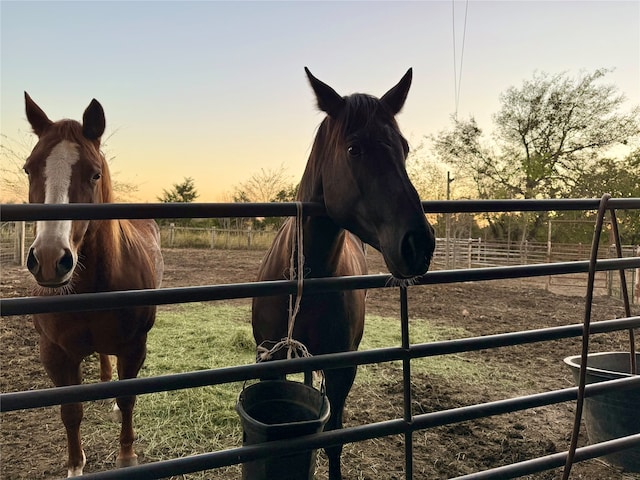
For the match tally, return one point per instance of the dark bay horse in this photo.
(357, 170)
(82, 256)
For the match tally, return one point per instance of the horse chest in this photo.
(87, 332)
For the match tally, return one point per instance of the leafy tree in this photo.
(184, 192)
(428, 176)
(620, 178)
(548, 133)
(287, 194)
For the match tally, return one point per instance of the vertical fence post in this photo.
(172, 228)
(213, 237)
(610, 276)
(20, 232)
(249, 239)
(548, 283)
(406, 382)
(23, 239)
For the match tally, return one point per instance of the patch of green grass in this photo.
(212, 335)
(194, 337)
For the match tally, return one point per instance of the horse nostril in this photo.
(65, 264)
(32, 262)
(417, 249)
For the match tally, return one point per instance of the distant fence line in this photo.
(173, 236)
(13, 238)
(456, 253)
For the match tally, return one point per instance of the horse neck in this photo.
(322, 238)
(104, 242)
(101, 251)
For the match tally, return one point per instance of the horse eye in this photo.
(26, 171)
(354, 150)
(96, 177)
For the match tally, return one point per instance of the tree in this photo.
(13, 154)
(428, 176)
(287, 194)
(263, 186)
(620, 178)
(267, 185)
(184, 192)
(548, 133)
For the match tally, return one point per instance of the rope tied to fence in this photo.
(295, 349)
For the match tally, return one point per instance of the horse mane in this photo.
(118, 234)
(358, 112)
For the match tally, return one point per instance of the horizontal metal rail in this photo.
(87, 302)
(104, 390)
(164, 296)
(233, 456)
(80, 211)
(556, 460)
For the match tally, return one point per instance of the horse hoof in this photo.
(127, 462)
(77, 470)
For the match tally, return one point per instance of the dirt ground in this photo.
(33, 445)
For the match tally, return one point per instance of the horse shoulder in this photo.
(354, 256)
(275, 263)
(142, 254)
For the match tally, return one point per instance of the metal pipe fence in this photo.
(454, 253)
(410, 422)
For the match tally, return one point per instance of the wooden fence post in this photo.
(548, 282)
(19, 256)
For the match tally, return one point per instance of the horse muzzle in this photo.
(51, 267)
(413, 256)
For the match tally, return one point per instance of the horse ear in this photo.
(328, 99)
(36, 116)
(93, 122)
(394, 99)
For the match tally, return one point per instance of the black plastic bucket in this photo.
(277, 410)
(613, 414)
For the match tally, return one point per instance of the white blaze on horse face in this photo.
(53, 238)
(57, 180)
(57, 171)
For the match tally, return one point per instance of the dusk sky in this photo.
(216, 90)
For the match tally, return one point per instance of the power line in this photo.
(457, 75)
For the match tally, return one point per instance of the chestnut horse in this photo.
(357, 170)
(83, 256)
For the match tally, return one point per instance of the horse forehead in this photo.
(376, 126)
(58, 169)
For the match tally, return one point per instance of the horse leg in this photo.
(128, 367)
(64, 371)
(339, 382)
(106, 375)
(106, 370)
